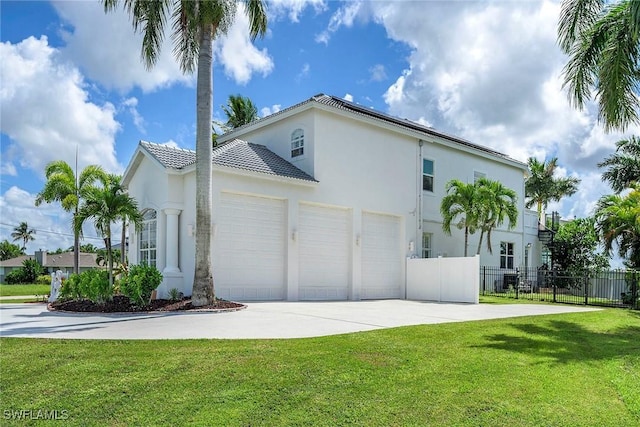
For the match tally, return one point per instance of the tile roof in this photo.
(236, 154)
(344, 105)
(63, 260)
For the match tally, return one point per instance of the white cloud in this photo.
(47, 113)
(107, 50)
(131, 105)
(239, 57)
(111, 56)
(343, 17)
(267, 111)
(378, 73)
(304, 72)
(293, 8)
(348, 97)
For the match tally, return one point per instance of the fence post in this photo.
(634, 290)
(586, 289)
(517, 284)
(484, 278)
(553, 283)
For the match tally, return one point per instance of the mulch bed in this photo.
(122, 304)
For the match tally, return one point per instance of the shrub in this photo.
(43, 279)
(71, 288)
(174, 294)
(140, 282)
(16, 276)
(91, 284)
(31, 270)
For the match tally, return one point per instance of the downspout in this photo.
(419, 208)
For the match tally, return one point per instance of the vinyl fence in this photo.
(618, 288)
(443, 279)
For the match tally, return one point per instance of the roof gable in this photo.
(236, 154)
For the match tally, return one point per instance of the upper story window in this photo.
(297, 143)
(427, 175)
(147, 238)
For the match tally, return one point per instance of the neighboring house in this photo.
(324, 200)
(50, 262)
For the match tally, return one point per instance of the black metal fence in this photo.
(606, 288)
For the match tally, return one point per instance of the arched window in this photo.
(147, 238)
(297, 143)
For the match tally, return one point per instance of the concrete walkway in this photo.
(259, 320)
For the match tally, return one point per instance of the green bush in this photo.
(139, 283)
(16, 276)
(91, 284)
(43, 279)
(31, 270)
(71, 288)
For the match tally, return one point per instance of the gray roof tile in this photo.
(236, 154)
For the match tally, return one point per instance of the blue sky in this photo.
(488, 71)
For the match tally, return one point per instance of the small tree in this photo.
(575, 249)
(9, 250)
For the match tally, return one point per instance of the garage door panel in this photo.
(250, 248)
(381, 256)
(324, 252)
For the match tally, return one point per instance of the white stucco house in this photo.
(324, 200)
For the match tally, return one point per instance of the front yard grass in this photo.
(18, 290)
(580, 369)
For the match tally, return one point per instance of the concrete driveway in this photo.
(258, 320)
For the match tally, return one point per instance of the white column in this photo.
(171, 264)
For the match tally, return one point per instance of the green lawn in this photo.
(15, 290)
(579, 369)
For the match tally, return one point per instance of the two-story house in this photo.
(322, 200)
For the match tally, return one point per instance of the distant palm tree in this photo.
(22, 232)
(65, 187)
(602, 39)
(543, 187)
(460, 206)
(495, 203)
(618, 221)
(240, 110)
(195, 24)
(106, 205)
(624, 165)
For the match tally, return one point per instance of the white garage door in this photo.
(324, 252)
(382, 256)
(249, 248)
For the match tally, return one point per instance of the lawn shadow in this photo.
(565, 342)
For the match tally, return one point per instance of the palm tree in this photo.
(65, 187)
(602, 41)
(460, 202)
(624, 165)
(240, 110)
(618, 220)
(22, 232)
(543, 187)
(106, 205)
(495, 203)
(195, 24)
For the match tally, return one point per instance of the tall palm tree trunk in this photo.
(76, 245)
(202, 292)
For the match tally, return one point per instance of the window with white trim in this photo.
(147, 238)
(426, 245)
(297, 143)
(427, 175)
(506, 255)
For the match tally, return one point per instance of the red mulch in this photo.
(122, 304)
